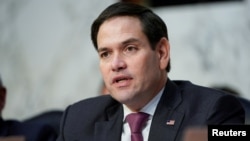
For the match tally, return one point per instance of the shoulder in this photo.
(205, 96)
(91, 106)
(39, 131)
(99, 101)
(85, 113)
(190, 89)
(215, 106)
(31, 131)
(12, 125)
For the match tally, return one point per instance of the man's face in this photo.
(132, 71)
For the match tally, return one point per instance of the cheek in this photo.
(105, 76)
(141, 66)
(150, 62)
(151, 67)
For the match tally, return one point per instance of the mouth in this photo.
(121, 79)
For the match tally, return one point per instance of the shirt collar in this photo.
(149, 108)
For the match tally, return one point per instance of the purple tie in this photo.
(136, 122)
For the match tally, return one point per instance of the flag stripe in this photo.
(170, 122)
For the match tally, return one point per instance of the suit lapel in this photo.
(161, 130)
(111, 129)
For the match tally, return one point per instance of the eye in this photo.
(104, 54)
(130, 49)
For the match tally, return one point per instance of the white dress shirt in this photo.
(149, 109)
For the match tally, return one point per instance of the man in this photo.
(22, 131)
(132, 43)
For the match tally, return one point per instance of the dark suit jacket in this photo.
(101, 118)
(30, 131)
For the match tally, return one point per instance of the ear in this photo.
(163, 49)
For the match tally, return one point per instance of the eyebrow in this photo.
(102, 49)
(130, 40)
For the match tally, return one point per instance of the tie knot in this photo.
(136, 121)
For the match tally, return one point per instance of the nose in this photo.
(118, 63)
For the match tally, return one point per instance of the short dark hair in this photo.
(152, 25)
